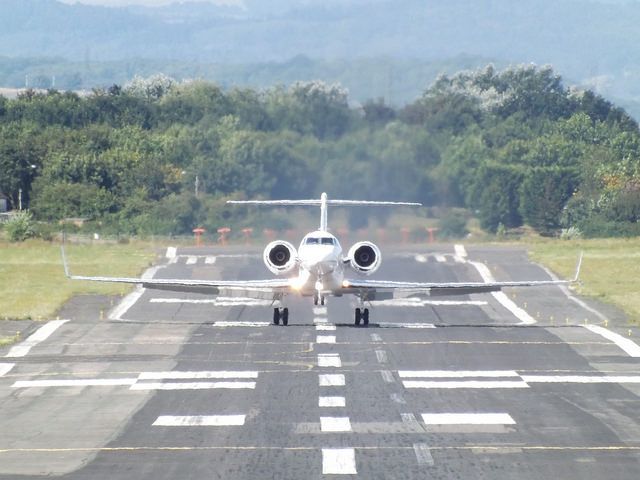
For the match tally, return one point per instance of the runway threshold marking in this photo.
(176, 375)
(326, 339)
(629, 346)
(193, 386)
(200, 421)
(44, 332)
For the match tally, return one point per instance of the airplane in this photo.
(318, 269)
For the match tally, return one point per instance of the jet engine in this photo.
(280, 257)
(364, 257)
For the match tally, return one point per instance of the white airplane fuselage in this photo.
(320, 264)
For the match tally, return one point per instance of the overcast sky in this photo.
(151, 3)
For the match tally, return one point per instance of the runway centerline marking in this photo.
(331, 380)
(325, 328)
(629, 346)
(335, 424)
(329, 360)
(200, 421)
(326, 339)
(339, 461)
(40, 335)
(330, 402)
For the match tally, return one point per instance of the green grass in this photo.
(4, 341)
(610, 270)
(32, 281)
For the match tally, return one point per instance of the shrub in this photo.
(453, 225)
(20, 227)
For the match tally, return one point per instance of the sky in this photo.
(149, 3)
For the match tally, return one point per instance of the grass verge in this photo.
(32, 281)
(610, 270)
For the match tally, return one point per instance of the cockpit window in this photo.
(320, 241)
(312, 241)
(327, 241)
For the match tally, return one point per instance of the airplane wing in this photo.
(371, 288)
(274, 286)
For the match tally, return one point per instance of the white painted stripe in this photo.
(456, 373)
(217, 302)
(440, 258)
(581, 379)
(381, 356)
(329, 360)
(34, 339)
(464, 384)
(335, 424)
(130, 300)
(89, 382)
(319, 310)
(423, 454)
(410, 420)
(178, 375)
(200, 421)
(501, 297)
(419, 302)
(628, 346)
(331, 380)
(396, 397)
(6, 368)
(375, 337)
(339, 461)
(320, 321)
(468, 419)
(406, 325)
(193, 386)
(325, 328)
(332, 402)
(241, 324)
(387, 376)
(171, 252)
(192, 260)
(210, 260)
(460, 251)
(326, 339)
(421, 258)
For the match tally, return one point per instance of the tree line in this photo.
(512, 147)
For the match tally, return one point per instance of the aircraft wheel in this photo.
(285, 316)
(315, 299)
(322, 300)
(276, 316)
(365, 316)
(358, 316)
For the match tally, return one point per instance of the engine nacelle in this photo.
(364, 257)
(280, 257)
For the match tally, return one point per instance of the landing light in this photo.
(296, 283)
(345, 284)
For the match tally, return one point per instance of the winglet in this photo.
(64, 262)
(578, 267)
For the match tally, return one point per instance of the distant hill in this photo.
(595, 43)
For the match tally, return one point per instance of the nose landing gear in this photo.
(362, 315)
(318, 299)
(281, 314)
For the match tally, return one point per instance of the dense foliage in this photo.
(513, 147)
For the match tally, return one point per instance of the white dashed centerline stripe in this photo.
(325, 328)
(329, 360)
(375, 337)
(319, 310)
(34, 339)
(339, 461)
(456, 373)
(464, 384)
(192, 260)
(6, 368)
(335, 424)
(326, 339)
(330, 402)
(630, 347)
(467, 419)
(331, 380)
(210, 260)
(461, 253)
(387, 376)
(200, 421)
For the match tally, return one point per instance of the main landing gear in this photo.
(281, 314)
(362, 315)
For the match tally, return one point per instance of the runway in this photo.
(529, 384)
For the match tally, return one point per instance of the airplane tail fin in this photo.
(323, 203)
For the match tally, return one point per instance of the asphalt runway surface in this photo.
(530, 384)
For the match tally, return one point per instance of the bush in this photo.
(20, 227)
(453, 225)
